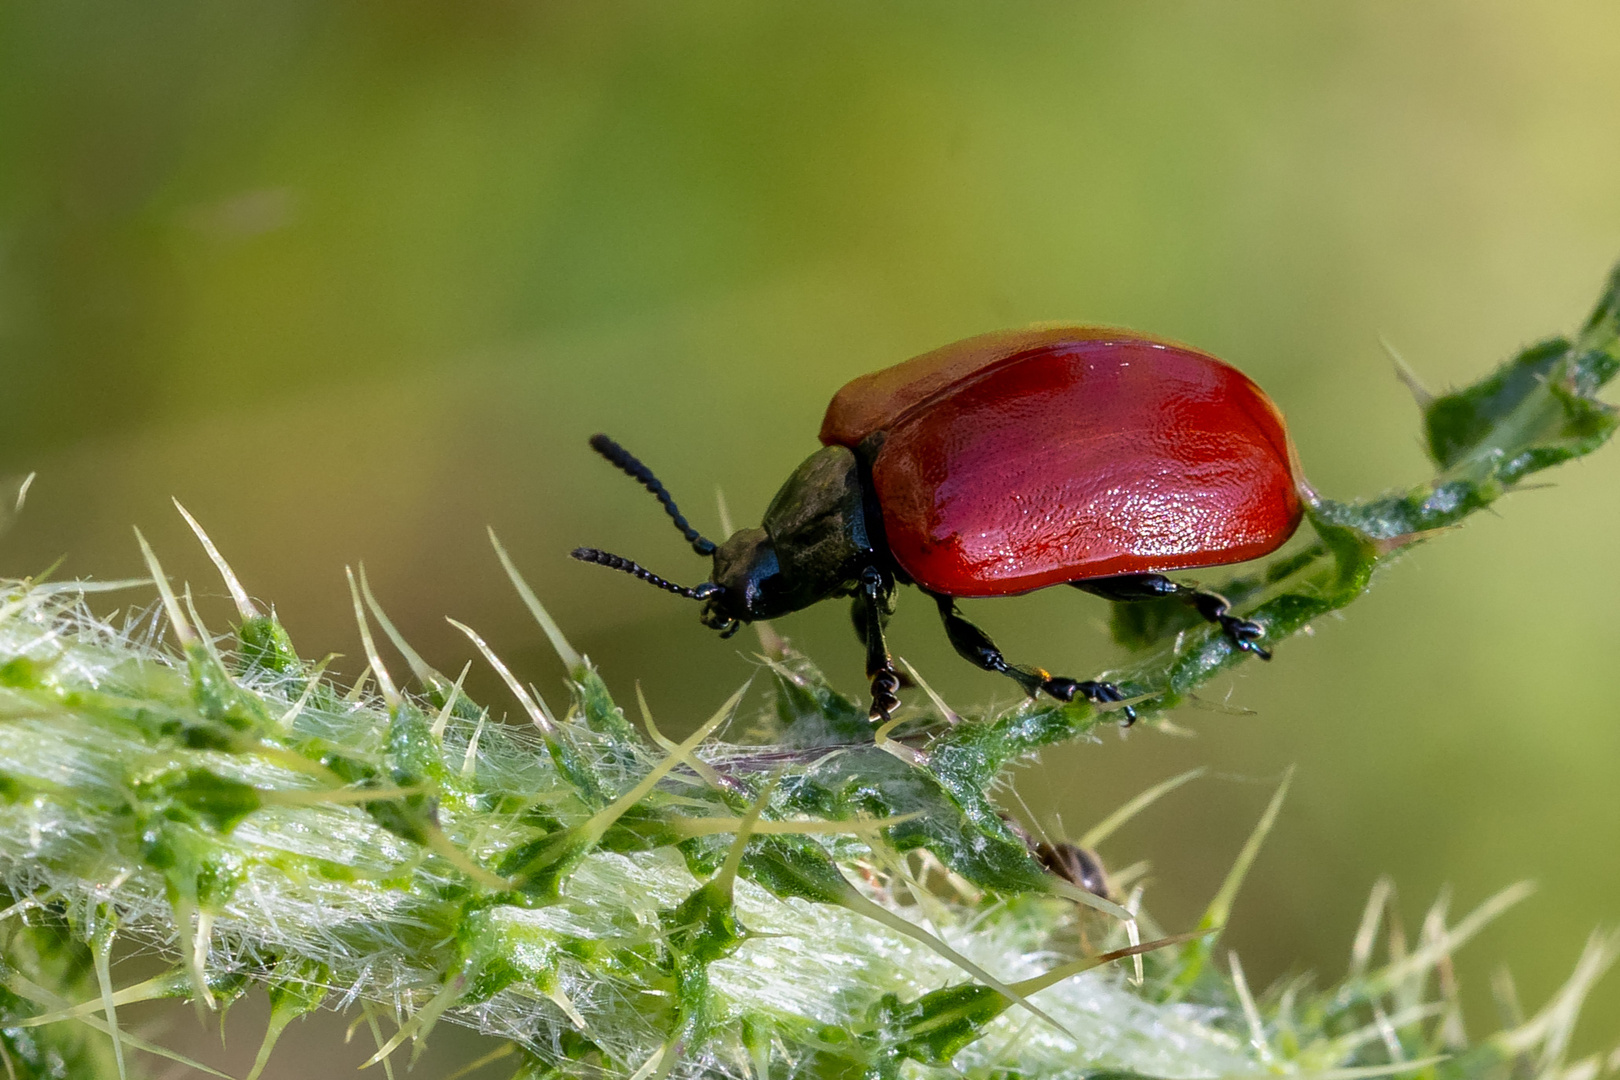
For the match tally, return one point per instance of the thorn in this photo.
(772, 643)
(857, 826)
(531, 705)
(854, 901)
(593, 828)
(287, 718)
(102, 956)
(358, 690)
(22, 492)
(197, 954)
(384, 680)
(424, 672)
(167, 985)
(1389, 545)
(1308, 494)
(1506, 995)
(182, 629)
(1403, 371)
(556, 996)
(1367, 933)
(469, 762)
(669, 746)
(244, 606)
(503, 1051)
(945, 711)
(726, 876)
(1405, 965)
(1552, 1027)
(206, 638)
(421, 1023)
(1105, 828)
(647, 1067)
(1251, 1011)
(570, 658)
(1220, 907)
(370, 1017)
(880, 739)
(442, 721)
(1065, 971)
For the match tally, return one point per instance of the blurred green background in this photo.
(353, 280)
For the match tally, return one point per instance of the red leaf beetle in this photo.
(1005, 463)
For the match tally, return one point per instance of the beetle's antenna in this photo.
(628, 462)
(619, 562)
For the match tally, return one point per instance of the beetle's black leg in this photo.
(874, 601)
(1243, 633)
(975, 646)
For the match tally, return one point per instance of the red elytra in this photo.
(1008, 462)
(1018, 460)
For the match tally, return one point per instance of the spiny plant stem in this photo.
(813, 901)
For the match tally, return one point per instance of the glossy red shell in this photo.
(1023, 459)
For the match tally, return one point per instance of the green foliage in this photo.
(1535, 411)
(725, 906)
(45, 953)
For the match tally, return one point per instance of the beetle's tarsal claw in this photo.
(885, 694)
(1103, 693)
(1245, 634)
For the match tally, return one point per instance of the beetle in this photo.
(1013, 461)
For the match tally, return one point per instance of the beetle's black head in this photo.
(814, 540)
(748, 576)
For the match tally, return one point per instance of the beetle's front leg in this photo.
(1244, 634)
(874, 601)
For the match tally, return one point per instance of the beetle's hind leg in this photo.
(975, 646)
(874, 603)
(1244, 634)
